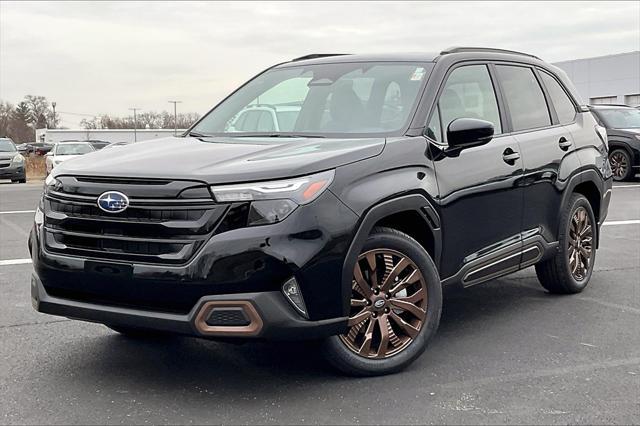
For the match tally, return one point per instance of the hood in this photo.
(222, 160)
(61, 158)
(8, 155)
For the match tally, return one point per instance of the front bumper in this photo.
(245, 265)
(13, 172)
(277, 321)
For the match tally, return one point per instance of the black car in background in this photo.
(623, 131)
(400, 174)
(12, 163)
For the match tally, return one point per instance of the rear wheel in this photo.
(570, 269)
(396, 301)
(620, 162)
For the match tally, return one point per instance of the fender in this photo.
(413, 202)
(604, 192)
(620, 143)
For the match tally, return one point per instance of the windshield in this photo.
(352, 99)
(620, 118)
(7, 146)
(73, 148)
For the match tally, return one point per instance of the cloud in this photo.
(104, 57)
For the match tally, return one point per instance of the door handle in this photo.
(564, 144)
(510, 156)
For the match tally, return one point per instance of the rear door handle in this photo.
(510, 156)
(564, 144)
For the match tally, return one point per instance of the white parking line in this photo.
(14, 262)
(18, 211)
(626, 186)
(621, 222)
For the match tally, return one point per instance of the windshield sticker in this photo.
(417, 74)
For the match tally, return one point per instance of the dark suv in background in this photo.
(623, 132)
(399, 174)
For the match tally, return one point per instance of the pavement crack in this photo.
(27, 324)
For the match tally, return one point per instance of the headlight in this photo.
(17, 159)
(51, 183)
(272, 201)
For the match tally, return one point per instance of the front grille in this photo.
(164, 223)
(3, 165)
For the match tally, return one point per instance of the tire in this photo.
(620, 162)
(416, 282)
(138, 333)
(564, 273)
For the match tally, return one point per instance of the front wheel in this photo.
(396, 301)
(570, 269)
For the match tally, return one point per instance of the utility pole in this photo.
(53, 105)
(175, 116)
(135, 124)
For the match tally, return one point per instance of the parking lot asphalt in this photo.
(506, 352)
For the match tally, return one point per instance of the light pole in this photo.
(175, 116)
(135, 124)
(53, 105)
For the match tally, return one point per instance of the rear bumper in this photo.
(274, 320)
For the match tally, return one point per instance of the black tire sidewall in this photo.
(343, 358)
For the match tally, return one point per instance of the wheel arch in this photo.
(593, 187)
(413, 214)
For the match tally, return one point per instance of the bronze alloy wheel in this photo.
(388, 304)
(580, 244)
(619, 165)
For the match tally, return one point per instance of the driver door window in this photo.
(468, 93)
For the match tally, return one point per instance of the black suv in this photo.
(400, 174)
(623, 132)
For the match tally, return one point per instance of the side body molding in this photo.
(413, 202)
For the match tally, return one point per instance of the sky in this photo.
(106, 57)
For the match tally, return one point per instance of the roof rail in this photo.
(316, 56)
(484, 49)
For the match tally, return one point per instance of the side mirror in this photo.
(468, 132)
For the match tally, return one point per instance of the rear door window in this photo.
(524, 96)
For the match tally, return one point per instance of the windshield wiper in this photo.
(274, 135)
(197, 135)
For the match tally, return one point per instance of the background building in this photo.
(108, 135)
(611, 79)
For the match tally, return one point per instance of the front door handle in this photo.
(510, 156)
(564, 144)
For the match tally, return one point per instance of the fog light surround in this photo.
(291, 291)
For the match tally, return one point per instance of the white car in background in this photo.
(64, 151)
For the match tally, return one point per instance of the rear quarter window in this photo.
(565, 109)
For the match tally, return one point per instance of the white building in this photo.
(108, 135)
(611, 79)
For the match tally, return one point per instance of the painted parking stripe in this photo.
(621, 222)
(14, 262)
(626, 186)
(18, 211)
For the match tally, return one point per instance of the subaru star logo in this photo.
(113, 202)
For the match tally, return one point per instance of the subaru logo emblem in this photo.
(113, 202)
